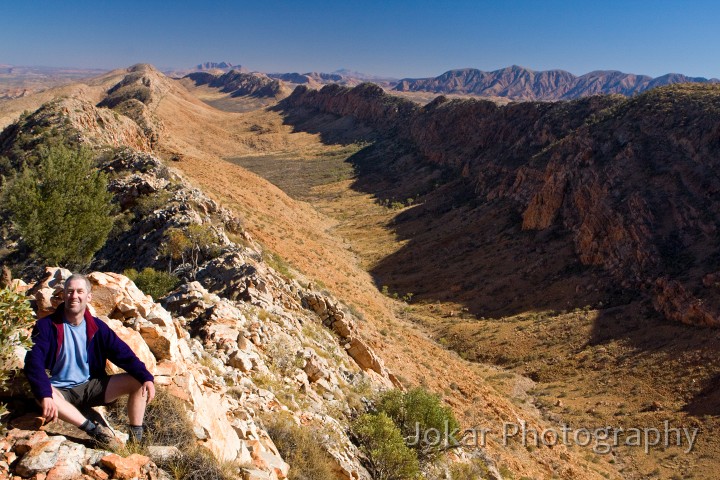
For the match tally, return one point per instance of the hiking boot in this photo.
(104, 437)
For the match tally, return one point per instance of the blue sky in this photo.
(395, 38)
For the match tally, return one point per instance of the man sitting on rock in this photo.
(74, 346)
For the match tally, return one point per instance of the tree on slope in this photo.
(61, 207)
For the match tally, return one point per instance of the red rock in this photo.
(125, 468)
(28, 422)
(95, 473)
(25, 445)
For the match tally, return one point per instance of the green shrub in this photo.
(421, 411)
(475, 470)
(382, 443)
(61, 207)
(300, 448)
(16, 317)
(155, 283)
(191, 244)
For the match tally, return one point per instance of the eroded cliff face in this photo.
(633, 182)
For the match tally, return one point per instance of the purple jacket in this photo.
(102, 344)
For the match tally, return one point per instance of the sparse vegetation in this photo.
(167, 424)
(189, 245)
(382, 443)
(300, 448)
(474, 470)
(16, 317)
(61, 207)
(155, 283)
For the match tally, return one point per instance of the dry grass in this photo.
(300, 448)
(166, 424)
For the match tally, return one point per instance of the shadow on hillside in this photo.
(456, 248)
(459, 249)
(673, 351)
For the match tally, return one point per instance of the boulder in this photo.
(315, 367)
(107, 293)
(364, 356)
(69, 462)
(41, 457)
(129, 468)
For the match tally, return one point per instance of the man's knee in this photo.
(120, 385)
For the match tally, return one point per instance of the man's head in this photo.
(77, 294)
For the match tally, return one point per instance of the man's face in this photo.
(77, 296)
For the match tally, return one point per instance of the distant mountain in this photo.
(342, 77)
(240, 84)
(218, 65)
(519, 83)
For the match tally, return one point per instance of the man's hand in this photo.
(49, 409)
(148, 391)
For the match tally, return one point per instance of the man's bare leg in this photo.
(66, 410)
(125, 384)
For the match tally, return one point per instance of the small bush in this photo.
(300, 448)
(16, 317)
(475, 470)
(382, 443)
(155, 283)
(420, 411)
(195, 463)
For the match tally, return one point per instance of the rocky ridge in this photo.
(628, 179)
(240, 84)
(520, 83)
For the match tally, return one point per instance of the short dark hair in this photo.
(78, 276)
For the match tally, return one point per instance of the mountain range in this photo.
(519, 83)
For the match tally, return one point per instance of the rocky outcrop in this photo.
(518, 83)
(210, 353)
(76, 120)
(240, 84)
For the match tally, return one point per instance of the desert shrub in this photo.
(300, 448)
(417, 412)
(147, 204)
(191, 244)
(155, 283)
(195, 463)
(61, 207)
(16, 317)
(475, 470)
(388, 458)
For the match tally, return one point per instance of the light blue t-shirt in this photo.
(71, 367)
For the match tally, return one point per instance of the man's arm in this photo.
(36, 357)
(119, 353)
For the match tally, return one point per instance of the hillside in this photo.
(518, 83)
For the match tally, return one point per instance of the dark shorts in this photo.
(89, 394)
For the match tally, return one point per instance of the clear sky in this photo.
(395, 38)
